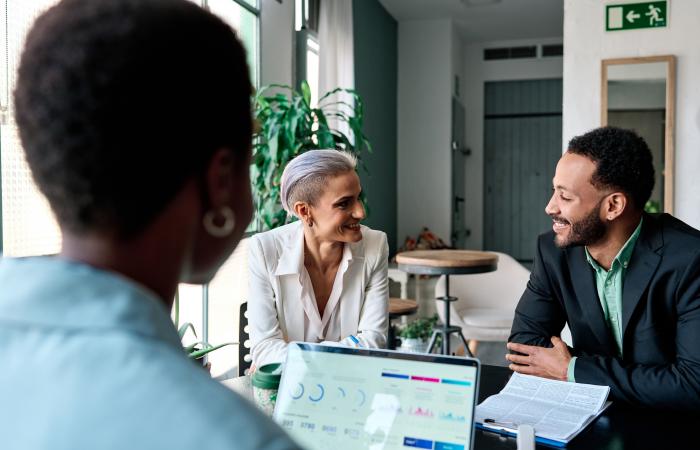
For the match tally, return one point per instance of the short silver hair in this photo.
(305, 176)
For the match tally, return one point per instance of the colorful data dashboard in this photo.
(344, 401)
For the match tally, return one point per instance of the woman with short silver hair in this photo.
(322, 278)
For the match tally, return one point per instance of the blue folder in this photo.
(506, 432)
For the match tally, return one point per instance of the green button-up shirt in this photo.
(609, 284)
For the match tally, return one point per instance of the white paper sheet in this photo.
(557, 410)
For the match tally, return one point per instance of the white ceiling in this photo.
(487, 20)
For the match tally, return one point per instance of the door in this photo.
(522, 144)
(459, 153)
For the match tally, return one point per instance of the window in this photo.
(307, 45)
(312, 70)
(28, 227)
(213, 310)
(242, 16)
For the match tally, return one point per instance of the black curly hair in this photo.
(119, 102)
(623, 161)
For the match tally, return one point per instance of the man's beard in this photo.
(586, 231)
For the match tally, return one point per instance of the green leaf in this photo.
(183, 329)
(367, 144)
(193, 347)
(177, 306)
(289, 126)
(420, 328)
(275, 86)
(273, 145)
(329, 93)
(209, 349)
(306, 92)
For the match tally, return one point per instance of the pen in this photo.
(355, 340)
(505, 424)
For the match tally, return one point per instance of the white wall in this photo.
(586, 43)
(424, 113)
(476, 73)
(424, 127)
(276, 42)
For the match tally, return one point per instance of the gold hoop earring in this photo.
(223, 230)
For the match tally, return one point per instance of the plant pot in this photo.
(200, 363)
(413, 345)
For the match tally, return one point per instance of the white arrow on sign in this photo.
(631, 16)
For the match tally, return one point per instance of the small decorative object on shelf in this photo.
(426, 240)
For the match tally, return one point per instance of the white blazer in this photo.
(278, 315)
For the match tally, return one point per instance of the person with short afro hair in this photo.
(627, 283)
(135, 118)
(116, 107)
(622, 158)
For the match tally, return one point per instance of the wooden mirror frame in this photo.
(669, 151)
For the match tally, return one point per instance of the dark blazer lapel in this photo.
(583, 280)
(645, 259)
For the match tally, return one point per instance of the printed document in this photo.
(557, 410)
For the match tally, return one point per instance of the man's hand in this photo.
(539, 361)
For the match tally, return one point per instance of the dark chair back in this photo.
(244, 357)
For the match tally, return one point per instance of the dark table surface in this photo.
(619, 427)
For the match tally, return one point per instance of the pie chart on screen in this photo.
(317, 393)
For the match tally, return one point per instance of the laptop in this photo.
(340, 398)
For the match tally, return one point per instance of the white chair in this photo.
(487, 301)
(399, 276)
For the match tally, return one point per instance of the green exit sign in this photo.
(631, 16)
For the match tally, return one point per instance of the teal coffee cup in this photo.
(266, 382)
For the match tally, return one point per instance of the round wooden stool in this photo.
(401, 307)
(447, 262)
(398, 307)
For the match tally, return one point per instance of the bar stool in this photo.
(447, 262)
(398, 307)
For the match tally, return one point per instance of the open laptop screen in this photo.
(337, 398)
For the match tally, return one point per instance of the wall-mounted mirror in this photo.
(639, 94)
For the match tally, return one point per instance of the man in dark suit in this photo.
(626, 282)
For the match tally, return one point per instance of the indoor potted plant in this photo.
(287, 126)
(197, 350)
(414, 335)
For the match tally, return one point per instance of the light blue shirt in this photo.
(91, 360)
